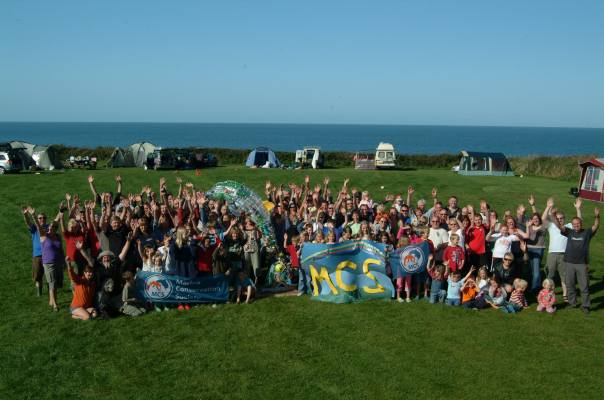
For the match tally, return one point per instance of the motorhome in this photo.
(385, 156)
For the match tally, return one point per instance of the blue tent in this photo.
(260, 156)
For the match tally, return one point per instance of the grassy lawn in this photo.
(293, 347)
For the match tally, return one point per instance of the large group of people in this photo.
(479, 258)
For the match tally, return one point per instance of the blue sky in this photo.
(521, 63)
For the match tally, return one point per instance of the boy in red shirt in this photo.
(454, 255)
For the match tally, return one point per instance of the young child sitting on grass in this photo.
(547, 297)
(469, 290)
(455, 283)
(131, 306)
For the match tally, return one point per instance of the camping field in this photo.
(292, 347)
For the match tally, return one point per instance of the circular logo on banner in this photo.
(157, 287)
(411, 260)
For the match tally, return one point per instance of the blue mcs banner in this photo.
(164, 288)
(411, 259)
(345, 272)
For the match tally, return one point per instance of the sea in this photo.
(407, 139)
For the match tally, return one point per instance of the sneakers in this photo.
(157, 309)
(181, 307)
(400, 300)
(187, 307)
(408, 299)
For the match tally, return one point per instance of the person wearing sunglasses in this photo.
(37, 270)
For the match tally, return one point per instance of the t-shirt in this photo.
(468, 293)
(71, 250)
(476, 239)
(455, 255)
(557, 241)
(577, 246)
(453, 290)
(35, 240)
(536, 238)
(503, 244)
(461, 235)
(437, 237)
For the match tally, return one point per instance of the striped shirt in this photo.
(518, 298)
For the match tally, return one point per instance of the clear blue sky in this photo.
(527, 63)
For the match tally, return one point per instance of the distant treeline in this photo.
(563, 167)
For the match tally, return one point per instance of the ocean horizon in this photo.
(407, 139)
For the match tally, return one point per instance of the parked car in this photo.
(10, 161)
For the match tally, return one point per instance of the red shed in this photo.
(591, 186)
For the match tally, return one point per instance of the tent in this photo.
(121, 158)
(46, 158)
(591, 183)
(25, 152)
(262, 157)
(140, 151)
(484, 164)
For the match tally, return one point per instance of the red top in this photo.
(455, 255)
(83, 290)
(293, 255)
(476, 239)
(204, 258)
(71, 252)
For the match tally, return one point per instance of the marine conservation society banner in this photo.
(164, 288)
(411, 259)
(348, 271)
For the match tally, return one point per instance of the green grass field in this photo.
(292, 347)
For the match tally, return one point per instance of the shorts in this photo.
(37, 269)
(54, 275)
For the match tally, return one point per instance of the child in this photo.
(83, 293)
(243, 281)
(454, 256)
(131, 306)
(482, 279)
(547, 297)
(437, 288)
(469, 290)
(495, 295)
(455, 282)
(403, 242)
(517, 300)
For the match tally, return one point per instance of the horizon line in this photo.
(305, 123)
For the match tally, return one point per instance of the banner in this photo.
(348, 271)
(164, 288)
(411, 259)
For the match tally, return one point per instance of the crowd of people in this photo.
(479, 258)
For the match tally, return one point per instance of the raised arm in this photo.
(596, 224)
(92, 188)
(548, 209)
(531, 201)
(80, 247)
(578, 204)
(27, 218)
(410, 191)
(122, 255)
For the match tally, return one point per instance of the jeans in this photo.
(535, 256)
(302, 281)
(437, 296)
(453, 302)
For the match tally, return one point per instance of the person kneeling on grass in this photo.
(132, 306)
(244, 282)
(83, 293)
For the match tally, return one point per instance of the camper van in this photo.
(385, 156)
(310, 157)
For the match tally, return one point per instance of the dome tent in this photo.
(121, 158)
(262, 157)
(140, 151)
